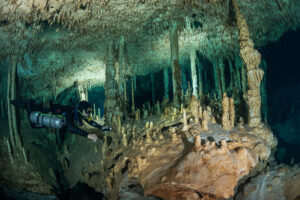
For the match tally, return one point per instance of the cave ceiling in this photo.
(68, 38)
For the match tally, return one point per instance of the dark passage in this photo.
(283, 90)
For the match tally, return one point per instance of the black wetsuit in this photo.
(73, 117)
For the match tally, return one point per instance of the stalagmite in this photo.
(166, 84)
(152, 88)
(194, 72)
(205, 121)
(137, 115)
(251, 58)
(111, 87)
(200, 112)
(176, 74)
(197, 144)
(225, 114)
(195, 109)
(132, 96)
(231, 112)
(125, 142)
(185, 125)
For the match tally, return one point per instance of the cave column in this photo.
(166, 83)
(251, 58)
(176, 74)
(111, 103)
(194, 72)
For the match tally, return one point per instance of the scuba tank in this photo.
(41, 119)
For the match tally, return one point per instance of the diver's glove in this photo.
(106, 128)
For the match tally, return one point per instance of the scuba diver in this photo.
(61, 117)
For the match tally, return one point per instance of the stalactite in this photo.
(194, 72)
(85, 93)
(2, 97)
(176, 74)
(152, 88)
(111, 104)
(216, 78)
(2, 107)
(9, 151)
(263, 89)
(184, 81)
(232, 84)
(237, 64)
(9, 107)
(125, 92)
(121, 70)
(222, 75)
(251, 58)
(166, 84)
(132, 96)
(200, 82)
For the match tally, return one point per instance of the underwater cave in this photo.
(148, 99)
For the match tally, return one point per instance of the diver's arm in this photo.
(95, 124)
(83, 133)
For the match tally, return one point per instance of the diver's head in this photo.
(85, 108)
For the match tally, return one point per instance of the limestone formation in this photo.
(111, 87)
(231, 112)
(205, 121)
(194, 106)
(251, 58)
(176, 73)
(277, 182)
(225, 114)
